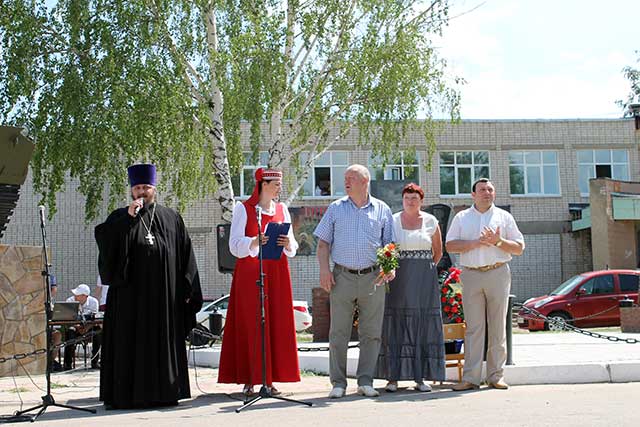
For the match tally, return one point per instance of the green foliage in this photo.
(633, 75)
(101, 84)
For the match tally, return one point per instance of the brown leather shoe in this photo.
(500, 385)
(465, 386)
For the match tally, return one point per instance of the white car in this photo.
(301, 313)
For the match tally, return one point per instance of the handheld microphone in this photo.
(259, 217)
(137, 209)
(41, 209)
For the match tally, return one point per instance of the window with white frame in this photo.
(459, 170)
(534, 173)
(601, 164)
(402, 166)
(244, 182)
(326, 178)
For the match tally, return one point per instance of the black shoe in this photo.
(56, 367)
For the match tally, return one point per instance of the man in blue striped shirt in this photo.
(350, 232)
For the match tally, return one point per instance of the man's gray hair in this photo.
(361, 170)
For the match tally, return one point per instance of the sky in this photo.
(542, 59)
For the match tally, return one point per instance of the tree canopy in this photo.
(101, 84)
(633, 75)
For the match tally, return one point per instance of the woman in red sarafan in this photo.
(241, 357)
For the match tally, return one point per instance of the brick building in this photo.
(541, 169)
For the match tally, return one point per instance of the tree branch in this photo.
(179, 57)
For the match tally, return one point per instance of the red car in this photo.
(586, 300)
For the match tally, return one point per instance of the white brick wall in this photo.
(548, 260)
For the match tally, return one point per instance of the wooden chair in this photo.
(455, 331)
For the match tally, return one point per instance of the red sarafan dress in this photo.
(241, 358)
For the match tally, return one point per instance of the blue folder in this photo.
(274, 229)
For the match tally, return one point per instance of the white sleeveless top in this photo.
(414, 240)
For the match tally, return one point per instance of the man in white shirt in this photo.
(88, 306)
(486, 237)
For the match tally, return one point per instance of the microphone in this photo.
(259, 217)
(41, 209)
(137, 209)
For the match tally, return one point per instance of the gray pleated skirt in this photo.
(412, 346)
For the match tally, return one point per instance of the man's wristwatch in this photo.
(499, 242)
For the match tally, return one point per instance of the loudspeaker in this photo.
(215, 323)
(226, 261)
(15, 153)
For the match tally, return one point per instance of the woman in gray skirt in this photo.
(412, 345)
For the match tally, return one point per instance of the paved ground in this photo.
(526, 405)
(537, 405)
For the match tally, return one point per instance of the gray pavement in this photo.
(569, 357)
(539, 358)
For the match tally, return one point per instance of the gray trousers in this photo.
(485, 295)
(349, 290)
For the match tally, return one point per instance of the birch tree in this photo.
(101, 84)
(633, 75)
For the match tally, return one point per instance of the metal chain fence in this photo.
(568, 326)
(20, 356)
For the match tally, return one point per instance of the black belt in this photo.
(358, 272)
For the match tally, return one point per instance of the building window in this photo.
(601, 164)
(534, 173)
(326, 178)
(460, 169)
(403, 166)
(243, 184)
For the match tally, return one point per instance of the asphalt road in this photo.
(603, 404)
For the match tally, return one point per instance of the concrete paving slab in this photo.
(539, 358)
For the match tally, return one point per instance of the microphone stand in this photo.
(265, 391)
(48, 399)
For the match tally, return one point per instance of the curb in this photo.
(600, 372)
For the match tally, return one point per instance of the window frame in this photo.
(541, 166)
(331, 167)
(246, 167)
(457, 166)
(402, 165)
(594, 164)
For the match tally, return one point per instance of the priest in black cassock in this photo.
(147, 258)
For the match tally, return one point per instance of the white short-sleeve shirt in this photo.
(469, 223)
(91, 306)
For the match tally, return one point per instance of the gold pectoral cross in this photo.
(149, 237)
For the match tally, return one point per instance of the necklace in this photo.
(149, 237)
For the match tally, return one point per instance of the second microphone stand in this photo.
(265, 390)
(48, 399)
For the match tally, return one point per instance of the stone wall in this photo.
(22, 322)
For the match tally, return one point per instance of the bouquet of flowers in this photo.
(387, 259)
(451, 297)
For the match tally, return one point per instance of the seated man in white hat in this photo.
(88, 306)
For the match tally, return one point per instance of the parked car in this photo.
(301, 313)
(587, 300)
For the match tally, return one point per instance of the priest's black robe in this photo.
(154, 293)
